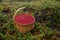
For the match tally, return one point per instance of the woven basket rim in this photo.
(24, 24)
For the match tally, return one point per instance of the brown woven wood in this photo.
(20, 27)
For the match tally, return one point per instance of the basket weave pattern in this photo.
(24, 28)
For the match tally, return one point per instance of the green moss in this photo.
(7, 25)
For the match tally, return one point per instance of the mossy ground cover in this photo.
(46, 27)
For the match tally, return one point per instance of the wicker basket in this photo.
(21, 27)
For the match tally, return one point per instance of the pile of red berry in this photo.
(24, 19)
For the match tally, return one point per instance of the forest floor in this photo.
(46, 27)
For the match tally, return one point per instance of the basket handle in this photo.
(30, 12)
